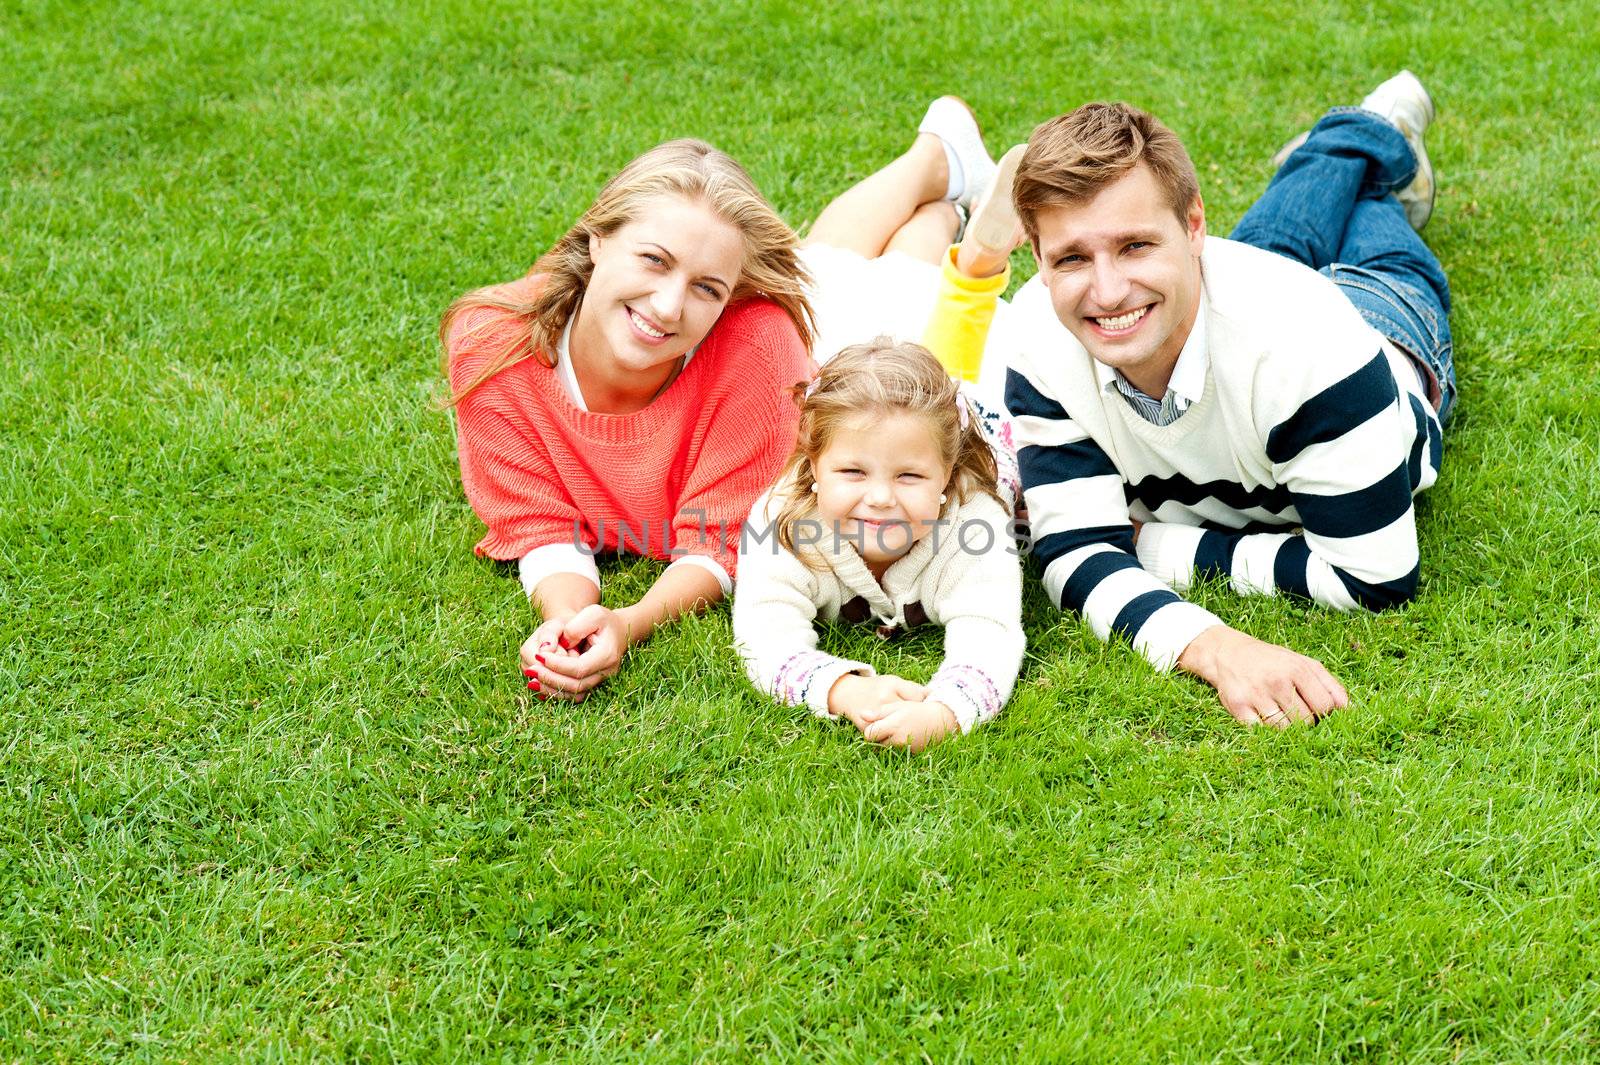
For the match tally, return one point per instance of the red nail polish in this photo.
(533, 685)
(529, 673)
(539, 659)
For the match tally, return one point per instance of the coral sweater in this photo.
(676, 478)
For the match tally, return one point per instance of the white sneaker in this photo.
(1406, 105)
(971, 169)
(994, 226)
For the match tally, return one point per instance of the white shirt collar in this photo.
(569, 377)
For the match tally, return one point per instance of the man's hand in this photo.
(1262, 683)
(913, 725)
(864, 700)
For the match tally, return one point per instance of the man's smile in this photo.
(1120, 324)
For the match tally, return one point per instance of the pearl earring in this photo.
(814, 486)
(942, 498)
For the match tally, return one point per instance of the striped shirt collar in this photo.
(1188, 376)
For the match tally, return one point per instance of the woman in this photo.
(633, 392)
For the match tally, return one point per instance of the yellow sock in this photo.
(959, 326)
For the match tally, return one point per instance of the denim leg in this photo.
(1378, 238)
(1351, 155)
(1331, 206)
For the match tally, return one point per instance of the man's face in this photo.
(1124, 275)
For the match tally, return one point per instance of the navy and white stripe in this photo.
(1091, 569)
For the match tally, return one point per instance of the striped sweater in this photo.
(1293, 472)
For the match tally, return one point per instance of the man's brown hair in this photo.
(1072, 157)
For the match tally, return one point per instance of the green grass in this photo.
(271, 788)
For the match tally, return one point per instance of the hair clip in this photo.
(812, 387)
(961, 412)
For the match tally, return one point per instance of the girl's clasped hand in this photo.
(891, 710)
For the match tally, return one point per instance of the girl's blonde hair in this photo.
(876, 379)
(688, 168)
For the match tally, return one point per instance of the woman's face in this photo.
(659, 284)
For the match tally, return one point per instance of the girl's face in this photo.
(878, 482)
(659, 284)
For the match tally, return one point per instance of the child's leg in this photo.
(946, 163)
(866, 216)
(958, 330)
(974, 275)
(927, 234)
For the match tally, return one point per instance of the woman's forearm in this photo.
(679, 590)
(562, 595)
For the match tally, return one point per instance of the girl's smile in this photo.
(879, 481)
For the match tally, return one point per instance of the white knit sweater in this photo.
(964, 575)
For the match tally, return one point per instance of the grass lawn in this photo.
(271, 787)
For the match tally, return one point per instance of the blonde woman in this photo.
(633, 392)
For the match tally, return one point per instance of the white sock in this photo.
(950, 121)
(958, 179)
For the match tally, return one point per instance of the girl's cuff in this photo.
(968, 691)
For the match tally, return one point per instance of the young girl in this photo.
(888, 511)
(882, 262)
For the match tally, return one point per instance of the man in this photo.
(1260, 409)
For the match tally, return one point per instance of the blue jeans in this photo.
(1332, 206)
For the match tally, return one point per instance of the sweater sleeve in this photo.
(747, 437)
(1351, 458)
(979, 602)
(1082, 535)
(506, 470)
(774, 615)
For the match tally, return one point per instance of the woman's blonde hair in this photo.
(877, 379)
(688, 168)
